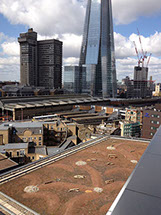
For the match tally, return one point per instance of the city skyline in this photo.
(17, 18)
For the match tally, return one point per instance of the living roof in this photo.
(104, 168)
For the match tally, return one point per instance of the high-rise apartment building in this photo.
(28, 58)
(97, 51)
(40, 61)
(50, 63)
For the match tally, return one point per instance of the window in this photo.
(35, 138)
(152, 121)
(39, 138)
(151, 128)
(30, 139)
(18, 153)
(151, 134)
(51, 127)
(39, 143)
(158, 116)
(152, 115)
(24, 139)
(22, 152)
(33, 158)
(158, 123)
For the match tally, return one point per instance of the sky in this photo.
(64, 20)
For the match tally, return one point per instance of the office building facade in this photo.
(97, 51)
(40, 61)
(71, 79)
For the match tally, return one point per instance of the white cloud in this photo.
(2, 36)
(9, 61)
(48, 17)
(9, 68)
(11, 48)
(127, 11)
(71, 61)
(124, 47)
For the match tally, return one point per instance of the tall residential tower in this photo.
(40, 61)
(97, 51)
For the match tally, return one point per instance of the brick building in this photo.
(151, 121)
(36, 133)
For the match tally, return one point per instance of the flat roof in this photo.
(61, 191)
(82, 115)
(5, 126)
(71, 113)
(91, 117)
(16, 146)
(21, 103)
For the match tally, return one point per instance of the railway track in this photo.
(13, 174)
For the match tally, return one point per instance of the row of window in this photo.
(30, 139)
(154, 115)
(154, 128)
(21, 153)
(59, 129)
(155, 122)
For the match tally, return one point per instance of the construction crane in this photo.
(144, 55)
(137, 53)
(149, 60)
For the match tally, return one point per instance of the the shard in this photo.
(97, 51)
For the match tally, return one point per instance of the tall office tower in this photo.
(41, 61)
(28, 58)
(50, 63)
(97, 51)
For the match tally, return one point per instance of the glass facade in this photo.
(72, 79)
(97, 51)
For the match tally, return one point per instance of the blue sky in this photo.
(146, 25)
(10, 30)
(50, 21)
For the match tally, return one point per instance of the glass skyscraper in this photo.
(97, 51)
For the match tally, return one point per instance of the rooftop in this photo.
(16, 146)
(5, 126)
(6, 163)
(74, 189)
